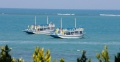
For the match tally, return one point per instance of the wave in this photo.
(65, 14)
(60, 42)
(109, 15)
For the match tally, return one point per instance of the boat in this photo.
(40, 29)
(68, 33)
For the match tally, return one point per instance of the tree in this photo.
(104, 55)
(40, 56)
(4, 54)
(6, 57)
(83, 58)
(117, 58)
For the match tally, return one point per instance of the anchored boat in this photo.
(68, 33)
(40, 29)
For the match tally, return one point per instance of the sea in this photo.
(101, 27)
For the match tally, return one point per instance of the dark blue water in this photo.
(100, 31)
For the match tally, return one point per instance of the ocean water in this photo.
(100, 30)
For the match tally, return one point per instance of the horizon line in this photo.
(59, 9)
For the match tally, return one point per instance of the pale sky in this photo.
(62, 4)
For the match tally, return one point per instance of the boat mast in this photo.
(75, 22)
(35, 22)
(61, 23)
(47, 19)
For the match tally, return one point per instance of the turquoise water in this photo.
(100, 31)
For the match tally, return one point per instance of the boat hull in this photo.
(55, 36)
(71, 36)
(39, 32)
(29, 32)
(66, 36)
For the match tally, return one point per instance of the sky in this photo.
(62, 4)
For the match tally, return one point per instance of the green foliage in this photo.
(4, 54)
(117, 58)
(83, 58)
(55, 60)
(62, 60)
(40, 56)
(104, 56)
(20, 60)
(13, 60)
(89, 60)
(6, 57)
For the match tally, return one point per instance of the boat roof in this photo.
(43, 24)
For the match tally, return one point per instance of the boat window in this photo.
(67, 33)
(72, 33)
(80, 32)
(76, 31)
(41, 29)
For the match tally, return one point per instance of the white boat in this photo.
(68, 33)
(77, 33)
(40, 29)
